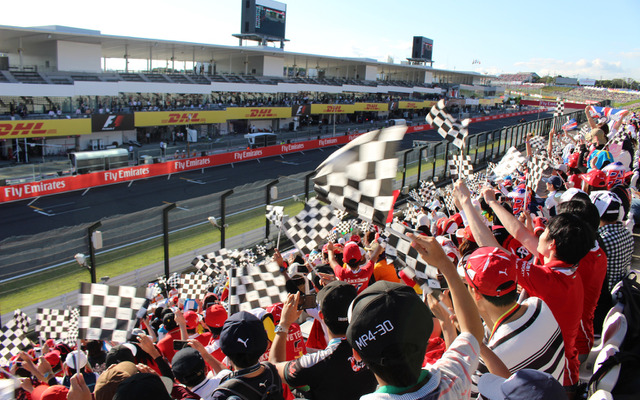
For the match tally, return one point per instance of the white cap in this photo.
(76, 356)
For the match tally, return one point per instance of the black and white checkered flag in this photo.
(559, 108)
(538, 144)
(460, 166)
(194, 286)
(22, 320)
(275, 214)
(359, 177)
(400, 245)
(215, 263)
(12, 341)
(509, 163)
(174, 281)
(536, 166)
(411, 215)
(73, 330)
(449, 127)
(344, 227)
(311, 227)
(257, 286)
(108, 312)
(261, 250)
(52, 323)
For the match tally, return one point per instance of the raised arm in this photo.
(481, 233)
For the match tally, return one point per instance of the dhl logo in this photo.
(334, 109)
(371, 107)
(412, 105)
(183, 118)
(25, 129)
(262, 113)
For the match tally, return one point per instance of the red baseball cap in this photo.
(351, 252)
(595, 178)
(53, 357)
(276, 311)
(56, 392)
(491, 271)
(191, 318)
(573, 160)
(215, 316)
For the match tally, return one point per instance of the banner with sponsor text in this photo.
(164, 118)
(44, 128)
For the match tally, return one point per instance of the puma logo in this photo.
(263, 384)
(503, 272)
(244, 342)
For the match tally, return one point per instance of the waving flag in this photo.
(570, 125)
(608, 112)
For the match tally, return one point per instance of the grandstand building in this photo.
(64, 89)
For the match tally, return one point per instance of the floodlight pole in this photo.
(92, 250)
(223, 215)
(268, 201)
(165, 234)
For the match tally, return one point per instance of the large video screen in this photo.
(270, 18)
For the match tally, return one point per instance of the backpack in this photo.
(237, 387)
(627, 386)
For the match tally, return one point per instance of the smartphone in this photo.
(180, 344)
(307, 301)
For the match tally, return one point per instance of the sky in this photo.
(585, 39)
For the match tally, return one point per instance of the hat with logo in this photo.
(351, 252)
(554, 180)
(188, 366)
(595, 178)
(607, 203)
(191, 318)
(243, 333)
(491, 271)
(215, 316)
(526, 384)
(334, 300)
(389, 325)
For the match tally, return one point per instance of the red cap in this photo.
(191, 317)
(351, 252)
(355, 238)
(50, 343)
(539, 224)
(573, 160)
(215, 316)
(467, 234)
(37, 392)
(595, 178)
(276, 311)
(56, 392)
(489, 268)
(53, 357)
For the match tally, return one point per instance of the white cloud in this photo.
(596, 68)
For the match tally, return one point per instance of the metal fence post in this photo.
(404, 167)
(267, 222)
(307, 177)
(165, 235)
(435, 153)
(92, 250)
(223, 216)
(420, 163)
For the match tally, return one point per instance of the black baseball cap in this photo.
(188, 366)
(243, 333)
(389, 325)
(334, 300)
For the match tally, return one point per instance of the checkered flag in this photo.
(411, 215)
(449, 202)
(261, 250)
(559, 108)
(343, 227)
(359, 177)
(258, 286)
(449, 127)
(275, 214)
(399, 244)
(52, 323)
(460, 166)
(108, 312)
(22, 320)
(536, 167)
(311, 227)
(173, 281)
(12, 341)
(194, 286)
(73, 330)
(214, 264)
(509, 163)
(538, 145)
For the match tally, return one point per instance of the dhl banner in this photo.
(44, 128)
(371, 106)
(411, 105)
(162, 118)
(257, 112)
(333, 108)
(102, 178)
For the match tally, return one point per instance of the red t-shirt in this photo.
(165, 345)
(359, 278)
(559, 286)
(592, 270)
